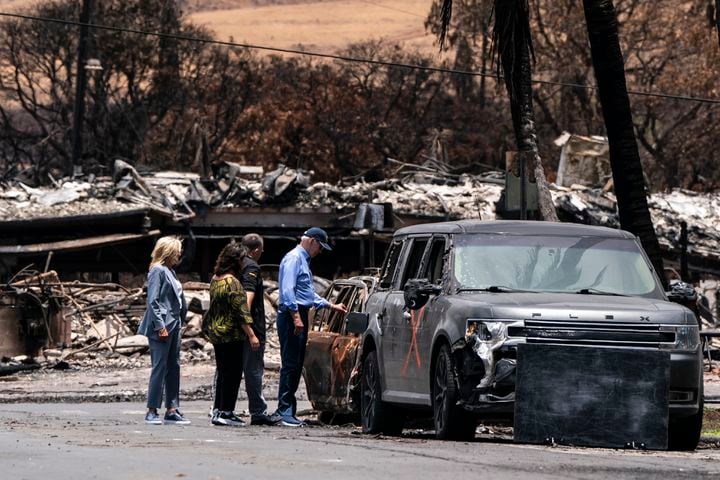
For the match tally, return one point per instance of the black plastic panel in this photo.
(602, 397)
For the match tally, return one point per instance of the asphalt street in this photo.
(111, 441)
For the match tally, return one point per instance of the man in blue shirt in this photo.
(297, 297)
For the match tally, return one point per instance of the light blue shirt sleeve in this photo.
(288, 274)
(320, 302)
(296, 283)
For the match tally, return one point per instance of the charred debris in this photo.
(48, 322)
(69, 251)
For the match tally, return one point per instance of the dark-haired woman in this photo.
(227, 324)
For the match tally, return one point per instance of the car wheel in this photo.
(376, 415)
(684, 433)
(452, 422)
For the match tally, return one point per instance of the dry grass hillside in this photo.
(325, 26)
(15, 5)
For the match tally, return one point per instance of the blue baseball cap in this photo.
(318, 234)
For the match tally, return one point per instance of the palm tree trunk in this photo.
(717, 18)
(514, 48)
(627, 170)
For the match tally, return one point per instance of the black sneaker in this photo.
(265, 419)
(228, 419)
(176, 418)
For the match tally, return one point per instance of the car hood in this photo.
(571, 307)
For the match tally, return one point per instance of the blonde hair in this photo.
(164, 249)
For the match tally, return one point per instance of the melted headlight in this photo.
(484, 337)
(485, 331)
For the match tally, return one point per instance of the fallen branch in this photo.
(36, 279)
(91, 346)
(87, 319)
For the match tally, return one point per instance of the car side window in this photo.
(413, 262)
(436, 261)
(322, 316)
(336, 319)
(388, 271)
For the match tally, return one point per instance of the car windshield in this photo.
(582, 265)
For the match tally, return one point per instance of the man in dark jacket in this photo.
(253, 361)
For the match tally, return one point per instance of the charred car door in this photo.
(400, 355)
(330, 354)
(425, 320)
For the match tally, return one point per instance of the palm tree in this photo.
(609, 66)
(511, 37)
(513, 45)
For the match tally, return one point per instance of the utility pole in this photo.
(80, 78)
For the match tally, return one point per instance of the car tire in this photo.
(376, 416)
(684, 433)
(451, 421)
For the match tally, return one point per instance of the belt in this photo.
(300, 307)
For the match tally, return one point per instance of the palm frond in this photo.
(511, 36)
(445, 17)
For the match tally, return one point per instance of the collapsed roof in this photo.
(186, 197)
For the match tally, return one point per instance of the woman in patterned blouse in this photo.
(227, 324)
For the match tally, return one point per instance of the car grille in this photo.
(596, 334)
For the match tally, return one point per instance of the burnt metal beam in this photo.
(265, 218)
(124, 219)
(77, 244)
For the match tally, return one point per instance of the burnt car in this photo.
(330, 373)
(456, 300)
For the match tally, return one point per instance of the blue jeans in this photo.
(292, 355)
(165, 375)
(254, 366)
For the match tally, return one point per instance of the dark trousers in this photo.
(165, 375)
(292, 356)
(228, 374)
(254, 367)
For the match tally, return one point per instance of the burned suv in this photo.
(457, 301)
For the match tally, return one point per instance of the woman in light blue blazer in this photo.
(164, 316)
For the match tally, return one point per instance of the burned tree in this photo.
(150, 92)
(470, 37)
(513, 45)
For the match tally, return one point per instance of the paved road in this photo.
(110, 441)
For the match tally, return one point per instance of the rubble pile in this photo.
(701, 212)
(181, 195)
(104, 317)
(20, 202)
(468, 197)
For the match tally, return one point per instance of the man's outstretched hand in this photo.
(339, 307)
